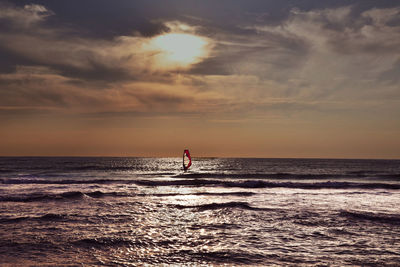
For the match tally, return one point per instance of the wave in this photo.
(72, 178)
(101, 242)
(318, 185)
(215, 206)
(258, 175)
(218, 183)
(296, 176)
(46, 217)
(73, 195)
(241, 194)
(102, 168)
(393, 219)
(76, 195)
(214, 226)
(56, 181)
(230, 257)
(182, 182)
(43, 197)
(268, 184)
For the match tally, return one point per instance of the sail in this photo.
(187, 160)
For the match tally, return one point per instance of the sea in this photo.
(132, 211)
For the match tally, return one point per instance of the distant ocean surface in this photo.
(250, 212)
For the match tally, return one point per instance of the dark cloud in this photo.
(9, 61)
(101, 19)
(97, 71)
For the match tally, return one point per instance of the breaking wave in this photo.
(73, 195)
(76, 195)
(217, 183)
(56, 181)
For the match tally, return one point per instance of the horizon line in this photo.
(216, 157)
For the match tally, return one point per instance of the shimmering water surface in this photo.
(147, 211)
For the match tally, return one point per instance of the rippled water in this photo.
(135, 211)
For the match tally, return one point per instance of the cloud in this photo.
(330, 49)
(23, 17)
(32, 13)
(124, 57)
(38, 89)
(321, 59)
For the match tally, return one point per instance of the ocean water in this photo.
(222, 212)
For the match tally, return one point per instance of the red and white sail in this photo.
(187, 160)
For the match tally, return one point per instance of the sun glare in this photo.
(179, 49)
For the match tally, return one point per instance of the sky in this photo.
(237, 78)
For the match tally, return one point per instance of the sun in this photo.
(179, 49)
